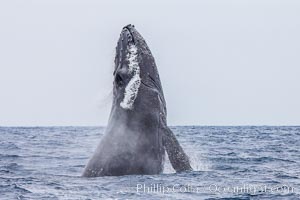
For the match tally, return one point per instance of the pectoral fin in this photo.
(178, 158)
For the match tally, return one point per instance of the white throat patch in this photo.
(132, 87)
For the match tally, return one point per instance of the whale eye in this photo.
(119, 80)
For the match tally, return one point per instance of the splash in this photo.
(132, 87)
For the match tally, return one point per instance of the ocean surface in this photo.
(229, 163)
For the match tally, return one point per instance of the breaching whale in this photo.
(137, 135)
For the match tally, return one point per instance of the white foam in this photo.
(132, 87)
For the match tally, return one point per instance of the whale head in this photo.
(135, 75)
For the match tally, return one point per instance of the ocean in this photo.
(238, 162)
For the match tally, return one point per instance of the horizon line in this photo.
(203, 125)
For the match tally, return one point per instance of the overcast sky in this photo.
(220, 62)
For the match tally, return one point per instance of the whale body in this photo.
(137, 136)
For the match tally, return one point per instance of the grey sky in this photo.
(221, 62)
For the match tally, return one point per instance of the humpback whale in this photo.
(137, 136)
